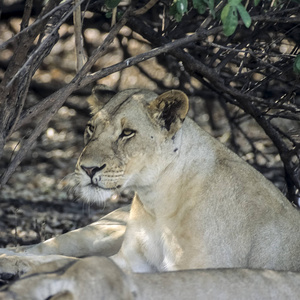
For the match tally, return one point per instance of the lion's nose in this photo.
(91, 171)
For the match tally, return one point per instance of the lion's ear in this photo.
(170, 109)
(101, 94)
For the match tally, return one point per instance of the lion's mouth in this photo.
(107, 181)
(100, 187)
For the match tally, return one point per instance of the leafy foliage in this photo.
(296, 66)
(112, 3)
(180, 7)
(229, 16)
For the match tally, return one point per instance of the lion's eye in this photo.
(90, 128)
(127, 133)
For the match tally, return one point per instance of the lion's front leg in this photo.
(103, 237)
(88, 278)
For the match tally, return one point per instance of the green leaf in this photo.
(200, 6)
(175, 14)
(296, 66)
(229, 19)
(178, 9)
(225, 12)
(234, 2)
(108, 14)
(178, 17)
(256, 2)
(211, 6)
(181, 6)
(244, 15)
(112, 3)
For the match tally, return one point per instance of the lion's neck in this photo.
(180, 179)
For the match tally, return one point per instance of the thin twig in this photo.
(78, 35)
(46, 103)
(145, 8)
(35, 24)
(36, 51)
(59, 97)
(139, 58)
(26, 14)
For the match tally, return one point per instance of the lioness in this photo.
(197, 205)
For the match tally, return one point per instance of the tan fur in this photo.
(197, 205)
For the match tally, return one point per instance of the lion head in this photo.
(129, 140)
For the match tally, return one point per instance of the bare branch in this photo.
(38, 22)
(145, 8)
(60, 96)
(42, 46)
(27, 13)
(139, 58)
(78, 36)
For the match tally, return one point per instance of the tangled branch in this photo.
(193, 49)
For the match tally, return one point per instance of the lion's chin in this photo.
(94, 194)
(84, 190)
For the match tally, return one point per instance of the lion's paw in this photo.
(15, 264)
(12, 264)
